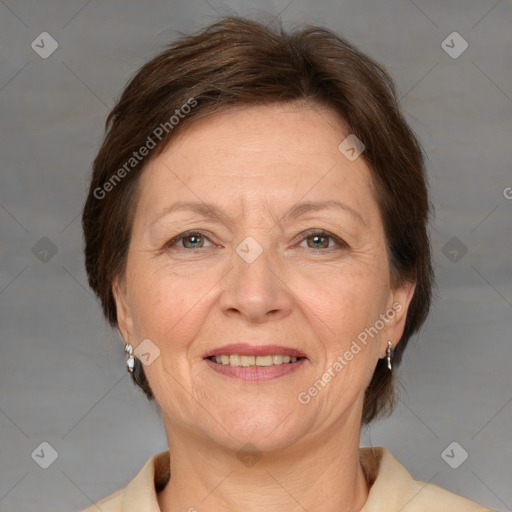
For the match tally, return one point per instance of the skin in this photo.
(254, 164)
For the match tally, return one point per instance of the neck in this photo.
(322, 473)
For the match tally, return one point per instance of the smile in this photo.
(255, 363)
(246, 361)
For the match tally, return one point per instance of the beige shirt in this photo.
(392, 490)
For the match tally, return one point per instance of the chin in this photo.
(269, 428)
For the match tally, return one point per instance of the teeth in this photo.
(239, 360)
(247, 360)
(264, 361)
(234, 360)
(277, 359)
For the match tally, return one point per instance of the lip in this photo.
(254, 350)
(256, 373)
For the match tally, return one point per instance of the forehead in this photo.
(281, 152)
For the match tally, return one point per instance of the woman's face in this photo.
(260, 275)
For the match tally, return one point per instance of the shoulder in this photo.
(393, 488)
(112, 503)
(436, 499)
(141, 493)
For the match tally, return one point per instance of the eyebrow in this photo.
(300, 209)
(296, 211)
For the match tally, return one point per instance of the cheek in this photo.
(350, 298)
(345, 310)
(168, 306)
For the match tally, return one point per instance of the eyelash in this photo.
(317, 232)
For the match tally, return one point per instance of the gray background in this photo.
(62, 370)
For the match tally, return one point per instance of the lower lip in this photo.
(256, 373)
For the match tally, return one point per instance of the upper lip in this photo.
(254, 350)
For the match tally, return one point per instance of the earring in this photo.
(130, 362)
(388, 354)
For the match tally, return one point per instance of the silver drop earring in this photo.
(388, 354)
(130, 362)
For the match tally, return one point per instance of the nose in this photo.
(256, 291)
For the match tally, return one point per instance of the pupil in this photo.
(318, 238)
(193, 239)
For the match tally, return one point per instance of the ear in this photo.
(123, 308)
(401, 297)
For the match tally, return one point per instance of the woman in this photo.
(256, 228)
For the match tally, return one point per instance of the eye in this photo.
(316, 239)
(320, 239)
(190, 239)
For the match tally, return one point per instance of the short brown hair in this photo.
(239, 62)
